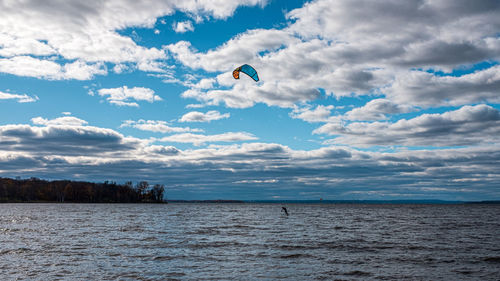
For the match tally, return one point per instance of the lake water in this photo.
(249, 242)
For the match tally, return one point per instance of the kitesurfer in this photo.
(283, 209)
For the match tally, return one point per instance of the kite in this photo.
(248, 70)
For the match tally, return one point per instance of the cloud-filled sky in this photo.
(356, 99)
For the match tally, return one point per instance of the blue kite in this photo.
(248, 70)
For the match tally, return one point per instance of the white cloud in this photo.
(97, 154)
(183, 26)
(257, 181)
(21, 98)
(152, 66)
(119, 68)
(351, 48)
(376, 109)
(245, 47)
(205, 83)
(48, 69)
(123, 96)
(156, 126)
(195, 116)
(216, 9)
(87, 31)
(320, 114)
(65, 136)
(61, 121)
(425, 89)
(198, 139)
(469, 125)
(11, 45)
(80, 70)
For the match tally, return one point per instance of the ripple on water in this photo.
(224, 242)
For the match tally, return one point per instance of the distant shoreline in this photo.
(416, 201)
(396, 202)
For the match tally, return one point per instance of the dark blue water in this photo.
(249, 242)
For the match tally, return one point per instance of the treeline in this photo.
(37, 190)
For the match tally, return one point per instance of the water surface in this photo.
(249, 242)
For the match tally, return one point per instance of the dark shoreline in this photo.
(35, 190)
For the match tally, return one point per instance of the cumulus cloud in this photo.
(87, 32)
(156, 126)
(183, 26)
(61, 121)
(427, 90)
(438, 34)
(198, 139)
(162, 150)
(48, 69)
(57, 137)
(11, 46)
(320, 114)
(124, 96)
(353, 48)
(469, 125)
(21, 98)
(196, 116)
(92, 153)
(377, 109)
(245, 47)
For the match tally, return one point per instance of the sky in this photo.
(357, 99)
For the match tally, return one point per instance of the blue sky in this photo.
(356, 99)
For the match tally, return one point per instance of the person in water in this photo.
(283, 209)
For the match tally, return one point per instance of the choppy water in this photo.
(249, 242)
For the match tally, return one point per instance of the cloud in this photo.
(58, 137)
(198, 139)
(469, 125)
(234, 171)
(354, 48)
(61, 121)
(123, 96)
(320, 114)
(427, 34)
(376, 109)
(195, 116)
(216, 9)
(48, 69)
(156, 126)
(183, 26)
(162, 150)
(427, 90)
(88, 32)
(256, 181)
(12, 46)
(21, 98)
(245, 47)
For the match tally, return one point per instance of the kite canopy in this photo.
(248, 70)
